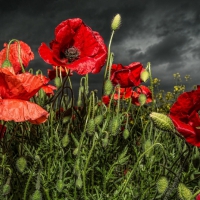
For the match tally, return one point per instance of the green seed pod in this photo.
(116, 22)
(144, 75)
(114, 126)
(108, 87)
(6, 63)
(65, 140)
(105, 142)
(37, 195)
(57, 82)
(91, 127)
(184, 192)
(162, 184)
(126, 133)
(60, 185)
(142, 99)
(162, 121)
(79, 182)
(21, 164)
(6, 189)
(98, 119)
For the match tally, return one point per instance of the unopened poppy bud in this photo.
(79, 103)
(79, 182)
(65, 140)
(162, 121)
(184, 192)
(116, 22)
(91, 127)
(37, 195)
(142, 99)
(75, 152)
(6, 189)
(114, 126)
(144, 75)
(147, 145)
(126, 133)
(60, 185)
(98, 119)
(57, 82)
(162, 184)
(66, 119)
(108, 87)
(21, 164)
(6, 63)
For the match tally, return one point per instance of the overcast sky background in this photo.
(165, 33)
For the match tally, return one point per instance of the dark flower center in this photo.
(71, 54)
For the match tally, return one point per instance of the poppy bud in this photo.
(75, 140)
(37, 195)
(65, 140)
(6, 63)
(116, 22)
(98, 119)
(79, 182)
(91, 127)
(6, 189)
(57, 82)
(60, 185)
(108, 87)
(114, 126)
(184, 192)
(126, 133)
(144, 75)
(147, 145)
(162, 184)
(21, 164)
(142, 99)
(162, 121)
(75, 152)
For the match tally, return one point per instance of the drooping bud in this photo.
(162, 121)
(114, 126)
(91, 127)
(65, 140)
(126, 133)
(6, 189)
(116, 22)
(144, 76)
(108, 87)
(6, 63)
(79, 182)
(75, 152)
(37, 195)
(98, 119)
(57, 82)
(60, 185)
(142, 99)
(184, 192)
(147, 145)
(162, 184)
(21, 164)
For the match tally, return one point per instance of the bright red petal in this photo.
(20, 111)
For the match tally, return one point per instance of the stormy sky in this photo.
(164, 33)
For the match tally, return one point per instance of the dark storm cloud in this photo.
(165, 33)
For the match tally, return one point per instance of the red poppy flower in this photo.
(185, 116)
(141, 90)
(2, 131)
(26, 55)
(61, 70)
(15, 92)
(126, 76)
(47, 88)
(75, 47)
(106, 100)
(125, 93)
(198, 197)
